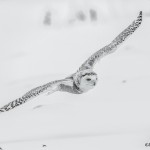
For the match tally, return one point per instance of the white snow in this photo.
(114, 115)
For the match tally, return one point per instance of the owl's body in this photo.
(84, 79)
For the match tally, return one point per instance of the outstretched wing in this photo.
(89, 63)
(46, 88)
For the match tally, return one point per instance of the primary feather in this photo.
(110, 48)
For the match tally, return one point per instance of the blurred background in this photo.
(40, 33)
(45, 40)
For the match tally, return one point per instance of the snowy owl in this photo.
(84, 79)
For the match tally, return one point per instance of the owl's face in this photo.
(86, 80)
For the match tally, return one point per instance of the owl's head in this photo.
(85, 80)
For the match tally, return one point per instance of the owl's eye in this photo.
(88, 79)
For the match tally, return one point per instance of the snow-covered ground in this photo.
(114, 115)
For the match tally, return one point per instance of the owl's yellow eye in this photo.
(88, 79)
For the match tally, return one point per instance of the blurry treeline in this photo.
(83, 11)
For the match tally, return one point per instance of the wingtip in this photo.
(140, 16)
(140, 13)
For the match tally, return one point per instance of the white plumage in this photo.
(84, 79)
